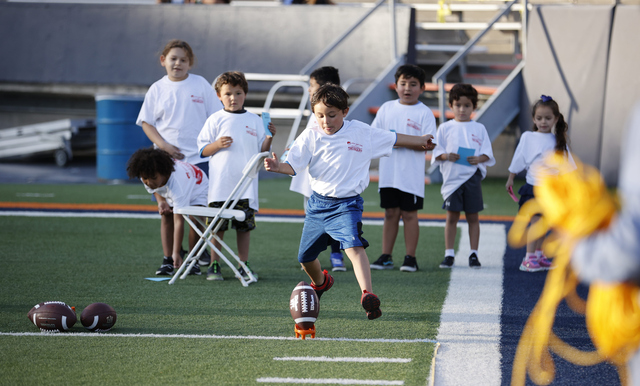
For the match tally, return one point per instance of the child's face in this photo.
(544, 119)
(462, 109)
(409, 90)
(177, 64)
(155, 182)
(232, 97)
(330, 119)
(313, 87)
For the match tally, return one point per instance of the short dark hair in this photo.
(324, 75)
(463, 90)
(331, 95)
(149, 162)
(234, 78)
(411, 71)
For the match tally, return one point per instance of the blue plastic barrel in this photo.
(118, 136)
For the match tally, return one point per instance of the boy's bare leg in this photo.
(243, 239)
(450, 229)
(411, 231)
(390, 229)
(474, 230)
(166, 233)
(361, 268)
(314, 270)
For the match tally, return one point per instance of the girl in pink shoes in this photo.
(549, 134)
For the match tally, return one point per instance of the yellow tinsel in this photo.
(574, 204)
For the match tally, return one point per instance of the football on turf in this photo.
(304, 305)
(98, 317)
(52, 316)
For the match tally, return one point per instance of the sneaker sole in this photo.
(446, 266)
(475, 266)
(339, 269)
(214, 278)
(525, 269)
(408, 268)
(370, 302)
(375, 314)
(381, 267)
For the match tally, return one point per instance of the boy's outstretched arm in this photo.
(415, 142)
(266, 145)
(272, 164)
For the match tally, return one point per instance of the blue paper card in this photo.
(464, 153)
(266, 119)
(157, 278)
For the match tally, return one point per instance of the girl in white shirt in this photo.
(549, 134)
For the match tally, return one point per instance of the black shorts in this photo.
(468, 197)
(396, 198)
(526, 194)
(249, 222)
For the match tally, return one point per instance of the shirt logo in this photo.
(354, 146)
(414, 125)
(197, 172)
(197, 99)
(475, 139)
(251, 131)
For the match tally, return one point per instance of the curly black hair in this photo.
(149, 162)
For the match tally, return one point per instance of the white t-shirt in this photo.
(225, 166)
(530, 153)
(452, 135)
(178, 111)
(186, 186)
(301, 183)
(404, 169)
(339, 163)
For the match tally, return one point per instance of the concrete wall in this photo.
(120, 44)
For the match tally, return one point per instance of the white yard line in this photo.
(344, 359)
(469, 331)
(329, 381)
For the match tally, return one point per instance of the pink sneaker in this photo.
(544, 263)
(530, 264)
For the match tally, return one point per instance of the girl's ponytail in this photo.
(561, 134)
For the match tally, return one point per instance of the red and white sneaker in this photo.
(328, 283)
(530, 264)
(371, 304)
(544, 262)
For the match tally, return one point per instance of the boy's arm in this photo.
(266, 144)
(477, 159)
(163, 207)
(156, 138)
(214, 147)
(274, 165)
(415, 142)
(178, 234)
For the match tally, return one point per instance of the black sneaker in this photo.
(383, 262)
(205, 258)
(213, 273)
(473, 261)
(166, 268)
(328, 283)
(195, 270)
(244, 274)
(447, 262)
(371, 305)
(410, 264)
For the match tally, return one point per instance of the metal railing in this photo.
(440, 77)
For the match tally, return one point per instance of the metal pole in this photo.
(392, 13)
(441, 100)
(524, 22)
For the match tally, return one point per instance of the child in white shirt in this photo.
(549, 134)
(338, 154)
(175, 184)
(461, 186)
(401, 183)
(230, 138)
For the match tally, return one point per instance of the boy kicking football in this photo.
(338, 154)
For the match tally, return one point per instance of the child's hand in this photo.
(429, 145)
(173, 151)
(453, 157)
(177, 261)
(509, 184)
(272, 164)
(224, 142)
(164, 208)
(272, 129)
(474, 159)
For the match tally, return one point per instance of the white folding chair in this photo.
(200, 213)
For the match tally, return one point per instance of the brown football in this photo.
(304, 305)
(98, 317)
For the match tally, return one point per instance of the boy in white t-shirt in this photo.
(300, 182)
(230, 138)
(175, 184)
(462, 176)
(338, 154)
(401, 176)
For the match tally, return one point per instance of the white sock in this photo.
(449, 252)
(538, 253)
(473, 251)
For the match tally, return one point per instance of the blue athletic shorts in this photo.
(327, 218)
